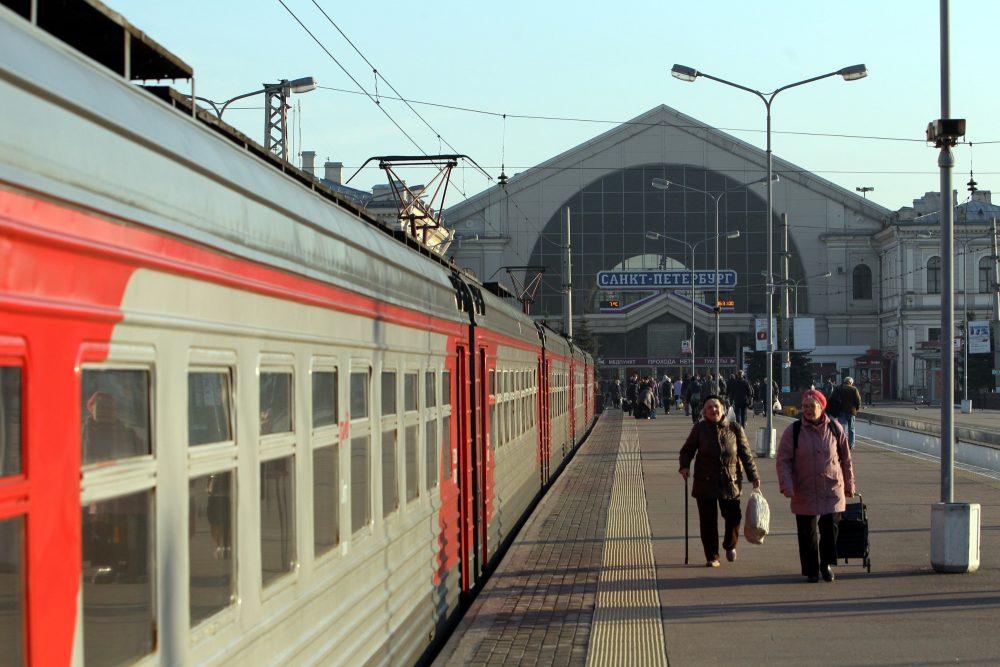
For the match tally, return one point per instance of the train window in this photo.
(431, 453)
(324, 398)
(430, 389)
(446, 388)
(119, 618)
(388, 393)
(412, 436)
(209, 411)
(446, 446)
(361, 503)
(212, 576)
(12, 612)
(410, 392)
(359, 394)
(326, 505)
(10, 422)
(493, 382)
(390, 478)
(493, 426)
(275, 402)
(277, 518)
(114, 414)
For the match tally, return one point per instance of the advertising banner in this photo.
(804, 330)
(979, 336)
(760, 327)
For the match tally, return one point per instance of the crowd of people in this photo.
(813, 461)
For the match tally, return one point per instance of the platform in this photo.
(597, 575)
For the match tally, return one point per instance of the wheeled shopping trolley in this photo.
(852, 537)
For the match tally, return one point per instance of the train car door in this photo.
(544, 436)
(571, 408)
(482, 449)
(466, 520)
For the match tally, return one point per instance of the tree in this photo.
(585, 339)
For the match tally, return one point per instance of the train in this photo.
(240, 421)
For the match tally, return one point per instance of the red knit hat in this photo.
(815, 395)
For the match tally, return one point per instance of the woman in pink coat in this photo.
(816, 473)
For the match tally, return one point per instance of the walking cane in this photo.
(685, 520)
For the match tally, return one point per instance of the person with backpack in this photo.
(815, 471)
(848, 399)
(720, 452)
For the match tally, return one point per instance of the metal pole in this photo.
(768, 393)
(691, 280)
(965, 319)
(786, 362)
(946, 161)
(569, 279)
(718, 377)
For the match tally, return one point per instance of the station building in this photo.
(864, 278)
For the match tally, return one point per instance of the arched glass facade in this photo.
(610, 219)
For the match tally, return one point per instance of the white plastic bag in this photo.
(758, 518)
(731, 414)
(776, 408)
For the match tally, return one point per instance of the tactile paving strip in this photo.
(627, 627)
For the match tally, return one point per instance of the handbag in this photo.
(758, 518)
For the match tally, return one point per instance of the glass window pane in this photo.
(119, 618)
(446, 388)
(390, 480)
(208, 408)
(430, 388)
(388, 393)
(412, 471)
(324, 398)
(446, 447)
(410, 391)
(431, 453)
(326, 505)
(10, 421)
(12, 628)
(277, 518)
(275, 403)
(212, 582)
(114, 414)
(359, 395)
(361, 503)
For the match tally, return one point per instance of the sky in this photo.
(565, 72)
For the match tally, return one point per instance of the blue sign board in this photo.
(671, 279)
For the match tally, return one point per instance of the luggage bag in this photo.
(852, 536)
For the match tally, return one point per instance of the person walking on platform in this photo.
(815, 471)
(849, 400)
(693, 395)
(741, 395)
(616, 393)
(666, 389)
(718, 448)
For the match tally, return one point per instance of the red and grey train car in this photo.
(240, 423)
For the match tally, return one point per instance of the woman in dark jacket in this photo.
(719, 448)
(816, 473)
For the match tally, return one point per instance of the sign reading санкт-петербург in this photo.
(672, 279)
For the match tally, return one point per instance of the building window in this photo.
(862, 282)
(934, 275)
(986, 275)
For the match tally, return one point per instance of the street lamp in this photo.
(663, 184)
(729, 235)
(852, 73)
(275, 110)
(795, 286)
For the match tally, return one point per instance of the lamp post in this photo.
(663, 184)
(851, 73)
(275, 110)
(795, 286)
(691, 246)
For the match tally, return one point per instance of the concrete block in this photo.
(955, 537)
